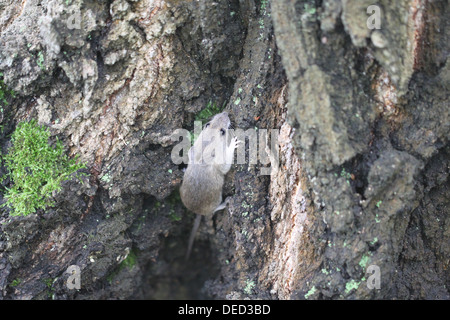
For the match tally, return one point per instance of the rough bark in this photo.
(372, 118)
(363, 123)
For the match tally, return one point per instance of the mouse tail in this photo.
(197, 221)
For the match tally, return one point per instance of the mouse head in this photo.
(220, 122)
(212, 141)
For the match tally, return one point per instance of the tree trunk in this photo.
(354, 204)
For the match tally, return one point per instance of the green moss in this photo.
(49, 283)
(364, 261)
(172, 201)
(310, 292)
(130, 261)
(325, 271)
(264, 5)
(377, 219)
(210, 110)
(249, 286)
(40, 60)
(261, 23)
(345, 174)
(36, 169)
(106, 178)
(15, 282)
(174, 216)
(310, 9)
(245, 205)
(352, 284)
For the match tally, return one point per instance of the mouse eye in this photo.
(222, 132)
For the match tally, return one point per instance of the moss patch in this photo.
(208, 112)
(36, 169)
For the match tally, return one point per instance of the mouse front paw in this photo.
(235, 143)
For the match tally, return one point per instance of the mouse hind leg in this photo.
(223, 204)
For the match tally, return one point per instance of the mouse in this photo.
(210, 159)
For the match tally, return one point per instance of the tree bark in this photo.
(359, 188)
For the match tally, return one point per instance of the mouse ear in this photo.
(207, 125)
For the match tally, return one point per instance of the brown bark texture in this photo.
(353, 205)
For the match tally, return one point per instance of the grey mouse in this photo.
(210, 159)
